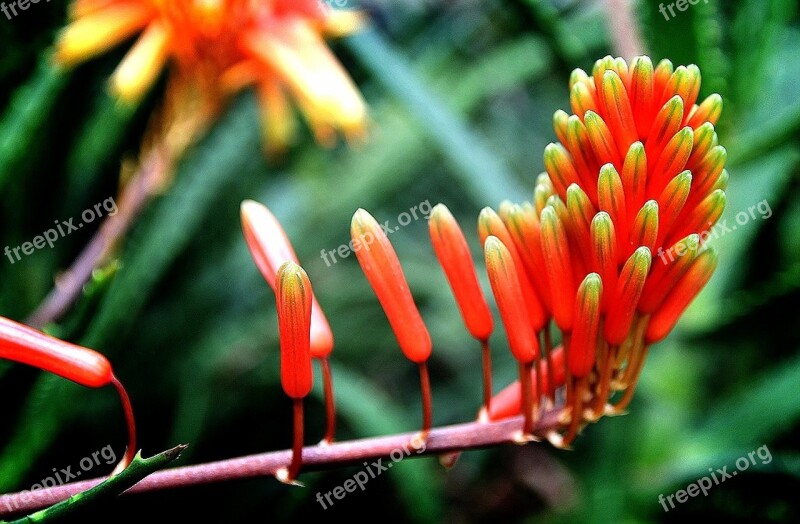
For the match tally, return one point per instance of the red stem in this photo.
(487, 375)
(330, 402)
(527, 398)
(297, 446)
(427, 403)
(471, 435)
(130, 421)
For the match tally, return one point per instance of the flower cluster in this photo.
(217, 47)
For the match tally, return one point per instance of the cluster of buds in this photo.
(638, 171)
(25, 345)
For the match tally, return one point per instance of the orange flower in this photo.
(293, 298)
(218, 47)
(636, 176)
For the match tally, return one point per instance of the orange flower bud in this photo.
(558, 264)
(453, 253)
(612, 200)
(490, 224)
(671, 162)
(709, 111)
(668, 269)
(690, 284)
(23, 344)
(634, 177)
(503, 276)
(270, 248)
(626, 297)
(293, 300)
(603, 145)
(670, 204)
(382, 268)
(641, 94)
(604, 254)
(581, 355)
(618, 113)
(644, 230)
(666, 125)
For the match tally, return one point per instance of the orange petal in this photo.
(666, 124)
(670, 265)
(672, 161)
(603, 145)
(141, 66)
(634, 176)
(382, 268)
(560, 167)
(641, 94)
(560, 119)
(525, 230)
(708, 111)
(453, 253)
(670, 204)
(604, 254)
(618, 113)
(644, 230)
(504, 278)
(700, 218)
(611, 198)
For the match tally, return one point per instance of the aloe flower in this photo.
(612, 234)
(217, 47)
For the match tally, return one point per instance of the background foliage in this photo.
(462, 94)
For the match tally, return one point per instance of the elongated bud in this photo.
(560, 167)
(701, 218)
(23, 344)
(504, 279)
(708, 111)
(665, 125)
(668, 268)
(582, 346)
(670, 204)
(581, 151)
(555, 246)
(604, 254)
(382, 268)
(611, 199)
(690, 284)
(490, 224)
(270, 247)
(525, 230)
(705, 137)
(642, 94)
(140, 68)
(634, 177)
(672, 161)
(644, 230)
(560, 119)
(603, 145)
(581, 99)
(508, 402)
(453, 253)
(626, 297)
(618, 115)
(293, 300)
(580, 212)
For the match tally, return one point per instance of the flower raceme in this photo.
(25, 345)
(217, 47)
(638, 170)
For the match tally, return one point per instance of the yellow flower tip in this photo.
(343, 22)
(141, 66)
(99, 31)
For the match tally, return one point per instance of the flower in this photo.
(637, 175)
(23, 344)
(217, 47)
(293, 301)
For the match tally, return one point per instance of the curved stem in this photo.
(130, 421)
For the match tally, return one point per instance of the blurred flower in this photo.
(218, 47)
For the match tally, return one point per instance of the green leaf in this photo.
(132, 475)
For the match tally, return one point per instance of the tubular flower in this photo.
(271, 248)
(293, 298)
(217, 47)
(23, 344)
(379, 262)
(612, 245)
